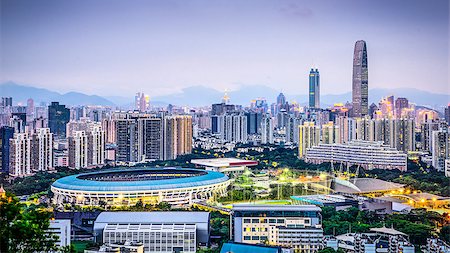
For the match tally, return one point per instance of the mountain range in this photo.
(201, 96)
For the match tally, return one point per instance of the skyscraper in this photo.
(58, 116)
(360, 89)
(6, 133)
(314, 89)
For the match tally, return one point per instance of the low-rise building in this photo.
(377, 240)
(297, 227)
(158, 231)
(224, 165)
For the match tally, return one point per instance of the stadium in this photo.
(125, 187)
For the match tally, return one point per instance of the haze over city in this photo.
(161, 47)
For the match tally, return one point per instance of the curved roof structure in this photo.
(126, 179)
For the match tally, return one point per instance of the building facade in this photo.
(360, 88)
(314, 89)
(297, 227)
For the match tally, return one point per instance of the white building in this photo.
(60, 228)
(20, 155)
(447, 167)
(233, 128)
(439, 148)
(309, 136)
(224, 165)
(266, 130)
(97, 143)
(42, 154)
(78, 150)
(367, 154)
(298, 227)
(158, 231)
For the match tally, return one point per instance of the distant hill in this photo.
(21, 93)
(202, 96)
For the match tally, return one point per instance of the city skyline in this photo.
(162, 48)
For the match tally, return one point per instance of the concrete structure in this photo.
(42, 150)
(20, 155)
(360, 89)
(298, 227)
(366, 154)
(224, 165)
(158, 231)
(365, 186)
(78, 150)
(233, 128)
(62, 230)
(440, 148)
(122, 186)
(266, 130)
(447, 167)
(177, 136)
(309, 136)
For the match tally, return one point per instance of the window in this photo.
(255, 220)
(255, 237)
(246, 238)
(247, 220)
(280, 220)
(306, 221)
(272, 221)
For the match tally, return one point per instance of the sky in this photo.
(110, 47)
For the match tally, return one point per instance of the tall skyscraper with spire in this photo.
(360, 89)
(314, 88)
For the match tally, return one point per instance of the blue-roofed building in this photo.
(124, 186)
(234, 247)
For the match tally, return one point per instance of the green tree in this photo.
(23, 228)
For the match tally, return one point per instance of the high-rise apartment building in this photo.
(233, 128)
(6, 133)
(78, 150)
(58, 117)
(20, 155)
(440, 149)
(178, 136)
(6, 101)
(267, 130)
(314, 88)
(400, 105)
(330, 133)
(42, 150)
(292, 129)
(309, 136)
(360, 88)
(97, 145)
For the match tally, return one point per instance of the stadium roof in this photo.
(365, 185)
(75, 183)
(233, 247)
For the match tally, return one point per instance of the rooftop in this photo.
(233, 247)
(363, 185)
(152, 217)
(255, 207)
(223, 162)
(88, 181)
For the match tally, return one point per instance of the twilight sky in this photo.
(110, 47)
